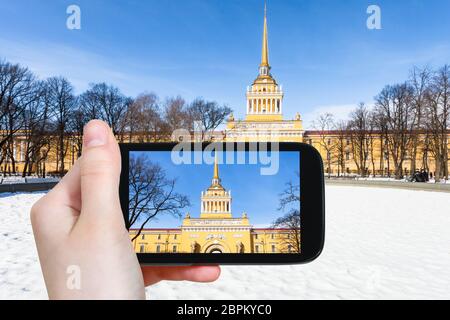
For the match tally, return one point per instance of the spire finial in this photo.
(265, 45)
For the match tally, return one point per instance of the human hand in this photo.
(79, 223)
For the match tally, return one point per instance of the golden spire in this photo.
(216, 168)
(265, 44)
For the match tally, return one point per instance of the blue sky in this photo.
(257, 195)
(320, 50)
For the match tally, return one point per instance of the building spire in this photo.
(265, 44)
(216, 168)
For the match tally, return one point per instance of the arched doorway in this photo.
(215, 248)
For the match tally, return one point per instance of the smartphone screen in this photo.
(220, 202)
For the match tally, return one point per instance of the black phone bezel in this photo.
(312, 206)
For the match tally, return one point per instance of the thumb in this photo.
(100, 173)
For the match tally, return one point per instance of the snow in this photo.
(20, 272)
(380, 244)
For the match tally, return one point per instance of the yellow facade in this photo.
(216, 230)
(338, 157)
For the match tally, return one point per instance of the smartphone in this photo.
(223, 203)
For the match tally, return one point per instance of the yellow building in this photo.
(216, 230)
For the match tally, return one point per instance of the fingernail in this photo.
(95, 134)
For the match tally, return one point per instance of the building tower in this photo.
(264, 96)
(264, 111)
(216, 201)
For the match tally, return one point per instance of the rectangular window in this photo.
(159, 237)
(273, 236)
(142, 248)
(175, 237)
(174, 249)
(158, 248)
(143, 237)
(257, 249)
(256, 236)
(274, 249)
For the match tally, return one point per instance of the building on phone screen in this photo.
(216, 230)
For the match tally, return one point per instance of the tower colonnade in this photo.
(265, 105)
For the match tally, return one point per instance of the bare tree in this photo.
(143, 119)
(61, 103)
(373, 137)
(36, 128)
(420, 82)
(380, 124)
(151, 193)
(359, 131)
(106, 102)
(16, 93)
(290, 202)
(395, 105)
(437, 120)
(76, 124)
(341, 147)
(177, 115)
(209, 115)
(325, 123)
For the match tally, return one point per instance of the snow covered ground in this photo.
(380, 243)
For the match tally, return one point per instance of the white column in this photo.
(248, 106)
